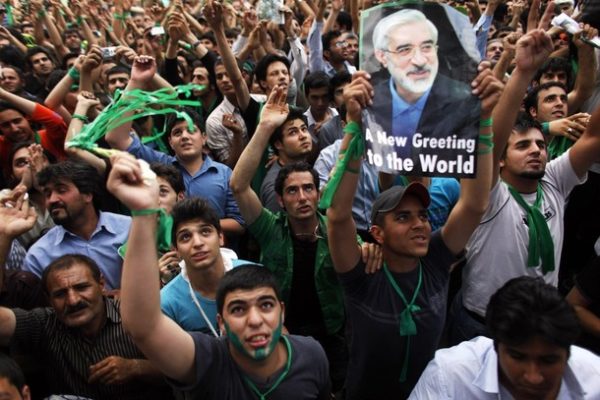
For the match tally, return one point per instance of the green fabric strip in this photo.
(558, 145)
(163, 234)
(540, 240)
(355, 150)
(138, 102)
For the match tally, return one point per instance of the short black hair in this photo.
(526, 307)
(293, 114)
(245, 277)
(316, 80)
(66, 59)
(32, 51)
(10, 370)
(174, 118)
(339, 79)
(67, 261)
(328, 37)
(209, 35)
(193, 208)
(555, 64)
(83, 175)
(288, 169)
(344, 21)
(533, 96)
(522, 125)
(260, 71)
(118, 69)
(171, 174)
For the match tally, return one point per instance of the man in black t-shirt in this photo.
(397, 314)
(254, 359)
(585, 298)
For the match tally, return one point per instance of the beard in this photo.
(402, 79)
(535, 175)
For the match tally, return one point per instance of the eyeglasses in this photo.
(426, 49)
(342, 44)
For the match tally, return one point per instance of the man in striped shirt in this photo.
(81, 339)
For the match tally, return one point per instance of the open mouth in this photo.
(258, 341)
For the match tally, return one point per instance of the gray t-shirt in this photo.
(218, 377)
(377, 350)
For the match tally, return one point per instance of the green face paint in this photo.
(259, 354)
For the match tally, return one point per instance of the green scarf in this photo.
(540, 240)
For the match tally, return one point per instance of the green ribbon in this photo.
(163, 233)
(406, 320)
(355, 150)
(252, 385)
(128, 102)
(540, 240)
(558, 145)
(10, 19)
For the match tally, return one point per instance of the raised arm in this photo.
(274, 114)
(85, 101)
(586, 150)
(142, 73)
(214, 15)
(474, 193)
(157, 336)
(586, 58)
(341, 230)
(14, 221)
(531, 52)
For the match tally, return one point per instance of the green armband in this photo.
(486, 123)
(546, 128)
(488, 141)
(74, 74)
(80, 117)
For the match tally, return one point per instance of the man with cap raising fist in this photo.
(397, 314)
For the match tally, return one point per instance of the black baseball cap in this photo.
(389, 199)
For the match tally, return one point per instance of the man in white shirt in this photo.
(530, 355)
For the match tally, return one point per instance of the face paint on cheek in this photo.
(258, 354)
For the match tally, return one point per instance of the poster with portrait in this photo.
(424, 120)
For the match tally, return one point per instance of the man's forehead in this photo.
(294, 123)
(250, 295)
(276, 65)
(74, 274)
(184, 124)
(552, 91)
(409, 31)
(299, 178)
(193, 224)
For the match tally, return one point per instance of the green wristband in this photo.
(74, 74)
(488, 141)
(486, 123)
(147, 211)
(546, 128)
(80, 117)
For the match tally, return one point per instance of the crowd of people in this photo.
(187, 212)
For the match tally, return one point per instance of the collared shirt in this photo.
(406, 116)
(470, 371)
(68, 354)
(311, 122)
(110, 233)
(211, 182)
(219, 137)
(315, 56)
(368, 187)
(274, 235)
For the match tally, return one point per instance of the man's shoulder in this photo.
(119, 220)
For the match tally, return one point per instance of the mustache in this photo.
(419, 69)
(56, 205)
(75, 307)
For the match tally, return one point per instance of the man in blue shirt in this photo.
(72, 192)
(202, 176)
(189, 299)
